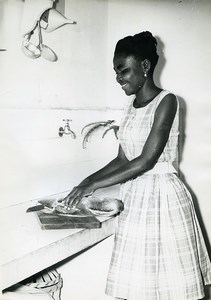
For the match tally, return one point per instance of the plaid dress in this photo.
(159, 251)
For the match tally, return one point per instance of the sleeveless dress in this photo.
(159, 252)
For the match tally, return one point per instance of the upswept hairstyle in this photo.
(141, 46)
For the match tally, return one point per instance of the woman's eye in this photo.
(124, 71)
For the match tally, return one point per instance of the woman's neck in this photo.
(146, 94)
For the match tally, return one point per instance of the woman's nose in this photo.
(119, 78)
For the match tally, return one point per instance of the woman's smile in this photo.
(124, 85)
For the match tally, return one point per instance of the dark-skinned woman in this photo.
(159, 251)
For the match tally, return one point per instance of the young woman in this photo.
(159, 251)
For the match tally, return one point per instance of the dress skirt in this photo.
(159, 251)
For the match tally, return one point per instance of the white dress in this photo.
(159, 251)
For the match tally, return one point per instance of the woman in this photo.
(159, 251)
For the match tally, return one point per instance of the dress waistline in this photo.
(162, 168)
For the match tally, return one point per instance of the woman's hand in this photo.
(77, 193)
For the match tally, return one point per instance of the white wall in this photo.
(36, 95)
(36, 162)
(76, 79)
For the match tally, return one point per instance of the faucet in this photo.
(66, 129)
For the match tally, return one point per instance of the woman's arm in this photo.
(152, 150)
(85, 187)
(116, 163)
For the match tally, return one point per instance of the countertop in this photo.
(27, 249)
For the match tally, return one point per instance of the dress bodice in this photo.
(136, 125)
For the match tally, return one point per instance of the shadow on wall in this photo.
(161, 61)
(182, 138)
(60, 6)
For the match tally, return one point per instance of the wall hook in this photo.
(66, 129)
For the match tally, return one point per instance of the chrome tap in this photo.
(66, 129)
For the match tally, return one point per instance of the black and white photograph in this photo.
(105, 168)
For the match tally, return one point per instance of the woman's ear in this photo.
(146, 65)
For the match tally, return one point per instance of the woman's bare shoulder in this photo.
(167, 108)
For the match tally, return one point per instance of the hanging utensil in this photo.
(52, 19)
(29, 49)
(46, 52)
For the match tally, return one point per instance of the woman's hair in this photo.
(141, 46)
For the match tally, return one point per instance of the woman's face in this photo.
(129, 74)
